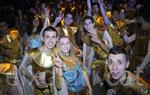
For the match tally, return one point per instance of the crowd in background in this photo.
(85, 34)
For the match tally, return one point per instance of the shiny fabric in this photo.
(7, 69)
(11, 42)
(74, 79)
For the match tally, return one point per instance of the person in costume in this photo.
(39, 80)
(10, 57)
(70, 62)
(116, 27)
(96, 45)
(117, 75)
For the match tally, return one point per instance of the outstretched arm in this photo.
(89, 9)
(103, 12)
(57, 20)
(46, 21)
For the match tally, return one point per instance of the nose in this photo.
(114, 66)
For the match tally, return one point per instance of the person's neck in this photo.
(45, 49)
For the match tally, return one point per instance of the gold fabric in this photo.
(130, 81)
(99, 20)
(101, 53)
(69, 32)
(7, 69)
(41, 60)
(116, 36)
(11, 42)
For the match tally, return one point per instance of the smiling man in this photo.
(41, 61)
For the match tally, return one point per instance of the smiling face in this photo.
(64, 45)
(117, 65)
(49, 38)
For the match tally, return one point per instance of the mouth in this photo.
(115, 74)
(66, 49)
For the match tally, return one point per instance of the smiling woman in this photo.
(74, 79)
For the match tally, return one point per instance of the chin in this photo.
(50, 47)
(115, 77)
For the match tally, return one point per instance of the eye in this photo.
(109, 61)
(120, 62)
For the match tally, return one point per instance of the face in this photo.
(95, 8)
(117, 65)
(115, 15)
(88, 25)
(64, 45)
(49, 39)
(68, 19)
(36, 22)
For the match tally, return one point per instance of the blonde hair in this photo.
(71, 60)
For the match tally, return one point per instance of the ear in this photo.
(127, 65)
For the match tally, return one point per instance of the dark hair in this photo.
(99, 11)
(49, 28)
(95, 3)
(89, 17)
(118, 50)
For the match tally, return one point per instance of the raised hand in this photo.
(47, 11)
(56, 59)
(59, 18)
(100, 1)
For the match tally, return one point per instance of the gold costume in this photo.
(42, 62)
(69, 32)
(116, 33)
(137, 85)
(9, 46)
(99, 51)
(11, 42)
(7, 69)
(100, 54)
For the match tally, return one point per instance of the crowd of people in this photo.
(75, 47)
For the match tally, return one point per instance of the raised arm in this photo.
(46, 21)
(57, 20)
(89, 9)
(103, 12)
